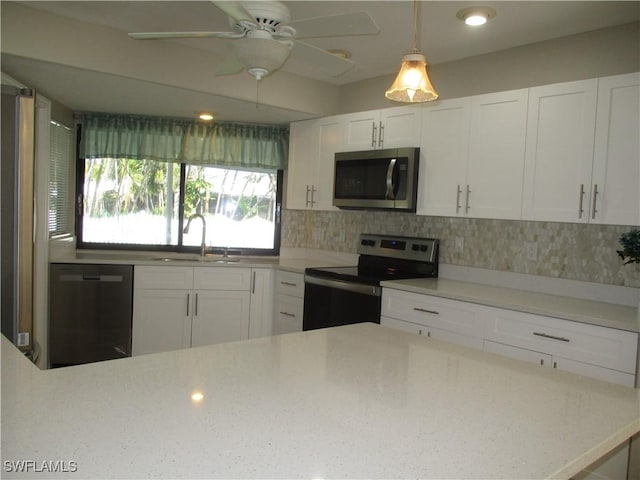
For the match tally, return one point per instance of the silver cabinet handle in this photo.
(458, 192)
(581, 203)
(373, 135)
(424, 310)
(381, 136)
(466, 205)
(287, 314)
(428, 333)
(195, 309)
(542, 362)
(390, 186)
(313, 195)
(595, 199)
(253, 283)
(552, 337)
(289, 284)
(306, 200)
(188, 302)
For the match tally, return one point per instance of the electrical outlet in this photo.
(531, 251)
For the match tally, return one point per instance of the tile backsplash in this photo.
(561, 250)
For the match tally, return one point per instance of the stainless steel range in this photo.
(344, 295)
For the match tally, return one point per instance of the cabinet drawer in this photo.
(290, 283)
(432, 332)
(289, 311)
(176, 278)
(221, 278)
(450, 315)
(592, 344)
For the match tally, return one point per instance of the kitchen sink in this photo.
(207, 259)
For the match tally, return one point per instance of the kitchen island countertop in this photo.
(360, 401)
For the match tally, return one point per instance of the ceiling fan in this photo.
(265, 36)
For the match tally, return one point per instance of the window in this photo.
(59, 173)
(146, 204)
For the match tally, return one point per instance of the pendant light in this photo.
(412, 85)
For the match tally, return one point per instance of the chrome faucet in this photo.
(204, 230)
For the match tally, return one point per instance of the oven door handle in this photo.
(372, 290)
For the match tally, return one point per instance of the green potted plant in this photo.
(630, 243)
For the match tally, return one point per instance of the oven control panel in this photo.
(410, 248)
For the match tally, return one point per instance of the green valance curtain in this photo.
(185, 141)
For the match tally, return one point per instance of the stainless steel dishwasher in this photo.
(90, 308)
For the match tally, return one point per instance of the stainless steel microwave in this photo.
(377, 179)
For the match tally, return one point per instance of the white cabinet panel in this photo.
(163, 277)
(444, 152)
(302, 164)
(496, 155)
(220, 316)
(449, 315)
(161, 320)
(615, 197)
(386, 128)
(221, 278)
(543, 359)
(330, 141)
(559, 152)
(262, 302)
(288, 317)
(594, 371)
(290, 283)
(605, 347)
(431, 332)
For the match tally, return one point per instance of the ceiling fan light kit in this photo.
(264, 37)
(412, 84)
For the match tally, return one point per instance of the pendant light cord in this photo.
(415, 25)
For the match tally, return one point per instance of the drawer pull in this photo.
(289, 284)
(552, 337)
(287, 314)
(424, 310)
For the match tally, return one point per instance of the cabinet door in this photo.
(164, 277)
(400, 127)
(496, 155)
(444, 150)
(302, 164)
(290, 283)
(431, 332)
(594, 371)
(262, 295)
(330, 140)
(510, 351)
(559, 153)
(361, 130)
(288, 316)
(161, 320)
(615, 197)
(220, 316)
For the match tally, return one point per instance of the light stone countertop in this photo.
(361, 401)
(568, 308)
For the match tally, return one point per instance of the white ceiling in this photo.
(443, 38)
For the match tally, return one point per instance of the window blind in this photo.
(59, 173)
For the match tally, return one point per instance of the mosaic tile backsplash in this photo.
(561, 250)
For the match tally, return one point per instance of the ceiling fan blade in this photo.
(161, 35)
(234, 10)
(321, 59)
(230, 66)
(339, 25)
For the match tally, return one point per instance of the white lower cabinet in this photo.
(440, 318)
(180, 307)
(590, 350)
(289, 302)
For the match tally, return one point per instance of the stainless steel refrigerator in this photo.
(17, 215)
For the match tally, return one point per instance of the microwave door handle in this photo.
(390, 186)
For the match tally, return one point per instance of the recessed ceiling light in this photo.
(475, 16)
(205, 116)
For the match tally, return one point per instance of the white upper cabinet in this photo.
(312, 148)
(387, 128)
(443, 157)
(615, 194)
(559, 156)
(473, 156)
(302, 164)
(496, 155)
